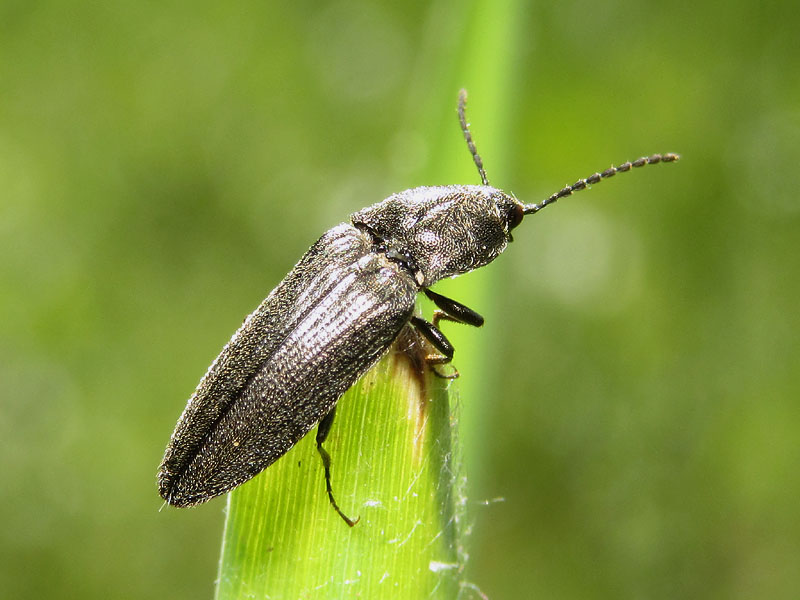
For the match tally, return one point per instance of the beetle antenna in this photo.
(581, 184)
(462, 118)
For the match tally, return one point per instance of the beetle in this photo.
(330, 320)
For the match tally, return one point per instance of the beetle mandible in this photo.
(330, 320)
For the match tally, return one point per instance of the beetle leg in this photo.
(432, 333)
(440, 315)
(435, 337)
(455, 311)
(433, 360)
(449, 310)
(323, 429)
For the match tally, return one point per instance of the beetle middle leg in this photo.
(323, 429)
(434, 335)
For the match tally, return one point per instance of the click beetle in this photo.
(333, 316)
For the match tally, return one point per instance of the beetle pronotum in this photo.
(332, 317)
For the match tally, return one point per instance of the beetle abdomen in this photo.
(327, 322)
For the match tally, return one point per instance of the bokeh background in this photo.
(630, 411)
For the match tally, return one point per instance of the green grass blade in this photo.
(396, 461)
(393, 465)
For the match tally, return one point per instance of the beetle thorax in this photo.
(440, 232)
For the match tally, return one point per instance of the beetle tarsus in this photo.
(435, 360)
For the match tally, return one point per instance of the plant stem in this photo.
(394, 465)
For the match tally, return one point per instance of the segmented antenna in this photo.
(581, 184)
(462, 118)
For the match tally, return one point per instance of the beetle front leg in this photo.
(454, 311)
(323, 429)
(440, 315)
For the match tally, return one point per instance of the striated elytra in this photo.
(333, 316)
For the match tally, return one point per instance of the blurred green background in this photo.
(633, 398)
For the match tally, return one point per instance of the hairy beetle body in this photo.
(333, 316)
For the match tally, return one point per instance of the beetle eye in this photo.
(515, 215)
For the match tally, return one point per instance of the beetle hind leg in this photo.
(323, 429)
